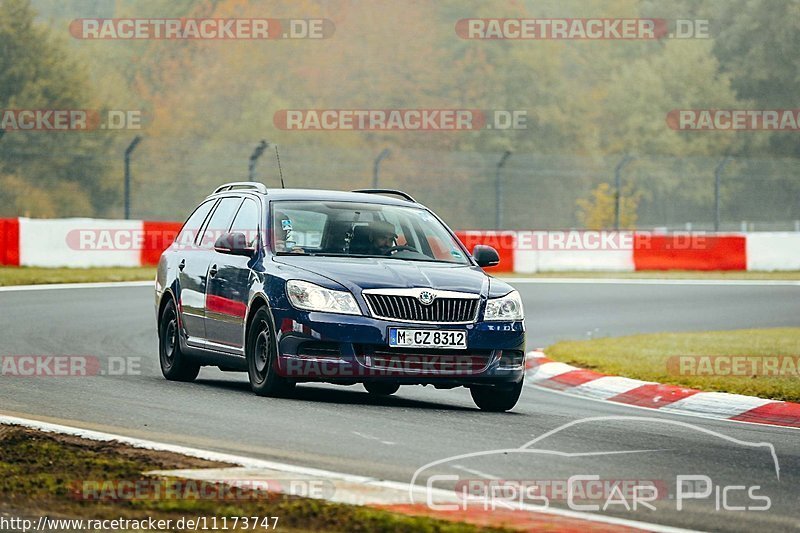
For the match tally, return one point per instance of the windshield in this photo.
(351, 229)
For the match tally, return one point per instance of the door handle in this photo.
(213, 271)
(182, 265)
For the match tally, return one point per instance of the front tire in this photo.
(380, 388)
(261, 359)
(495, 399)
(175, 365)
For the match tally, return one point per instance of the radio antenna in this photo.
(280, 170)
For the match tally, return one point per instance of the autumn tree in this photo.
(598, 211)
(44, 173)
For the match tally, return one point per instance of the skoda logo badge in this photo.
(426, 297)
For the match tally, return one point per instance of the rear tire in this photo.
(175, 365)
(494, 399)
(380, 388)
(262, 359)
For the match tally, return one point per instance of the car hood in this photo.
(370, 273)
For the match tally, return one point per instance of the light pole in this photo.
(128, 151)
(498, 191)
(717, 178)
(377, 166)
(617, 185)
(251, 166)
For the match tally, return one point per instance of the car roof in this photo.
(324, 195)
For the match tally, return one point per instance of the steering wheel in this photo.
(400, 248)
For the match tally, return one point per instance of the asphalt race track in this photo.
(344, 429)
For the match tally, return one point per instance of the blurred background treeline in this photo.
(589, 104)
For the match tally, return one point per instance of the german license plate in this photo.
(427, 338)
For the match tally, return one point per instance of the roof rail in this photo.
(242, 185)
(405, 195)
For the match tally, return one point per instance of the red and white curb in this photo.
(577, 381)
(358, 490)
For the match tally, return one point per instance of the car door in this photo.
(228, 288)
(198, 263)
(192, 266)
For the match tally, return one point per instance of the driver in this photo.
(381, 237)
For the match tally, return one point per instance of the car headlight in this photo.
(508, 307)
(311, 297)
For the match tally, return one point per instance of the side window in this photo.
(220, 221)
(191, 227)
(247, 220)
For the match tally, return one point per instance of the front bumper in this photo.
(315, 346)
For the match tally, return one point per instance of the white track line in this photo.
(651, 281)
(260, 463)
(54, 286)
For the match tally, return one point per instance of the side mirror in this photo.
(234, 244)
(485, 256)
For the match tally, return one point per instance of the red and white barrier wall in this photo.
(83, 242)
(9, 241)
(773, 251)
(86, 242)
(527, 252)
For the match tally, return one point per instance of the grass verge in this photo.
(654, 357)
(39, 472)
(38, 276)
(790, 275)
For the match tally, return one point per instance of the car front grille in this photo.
(409, 308)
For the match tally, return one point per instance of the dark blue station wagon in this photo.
(371, 287)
